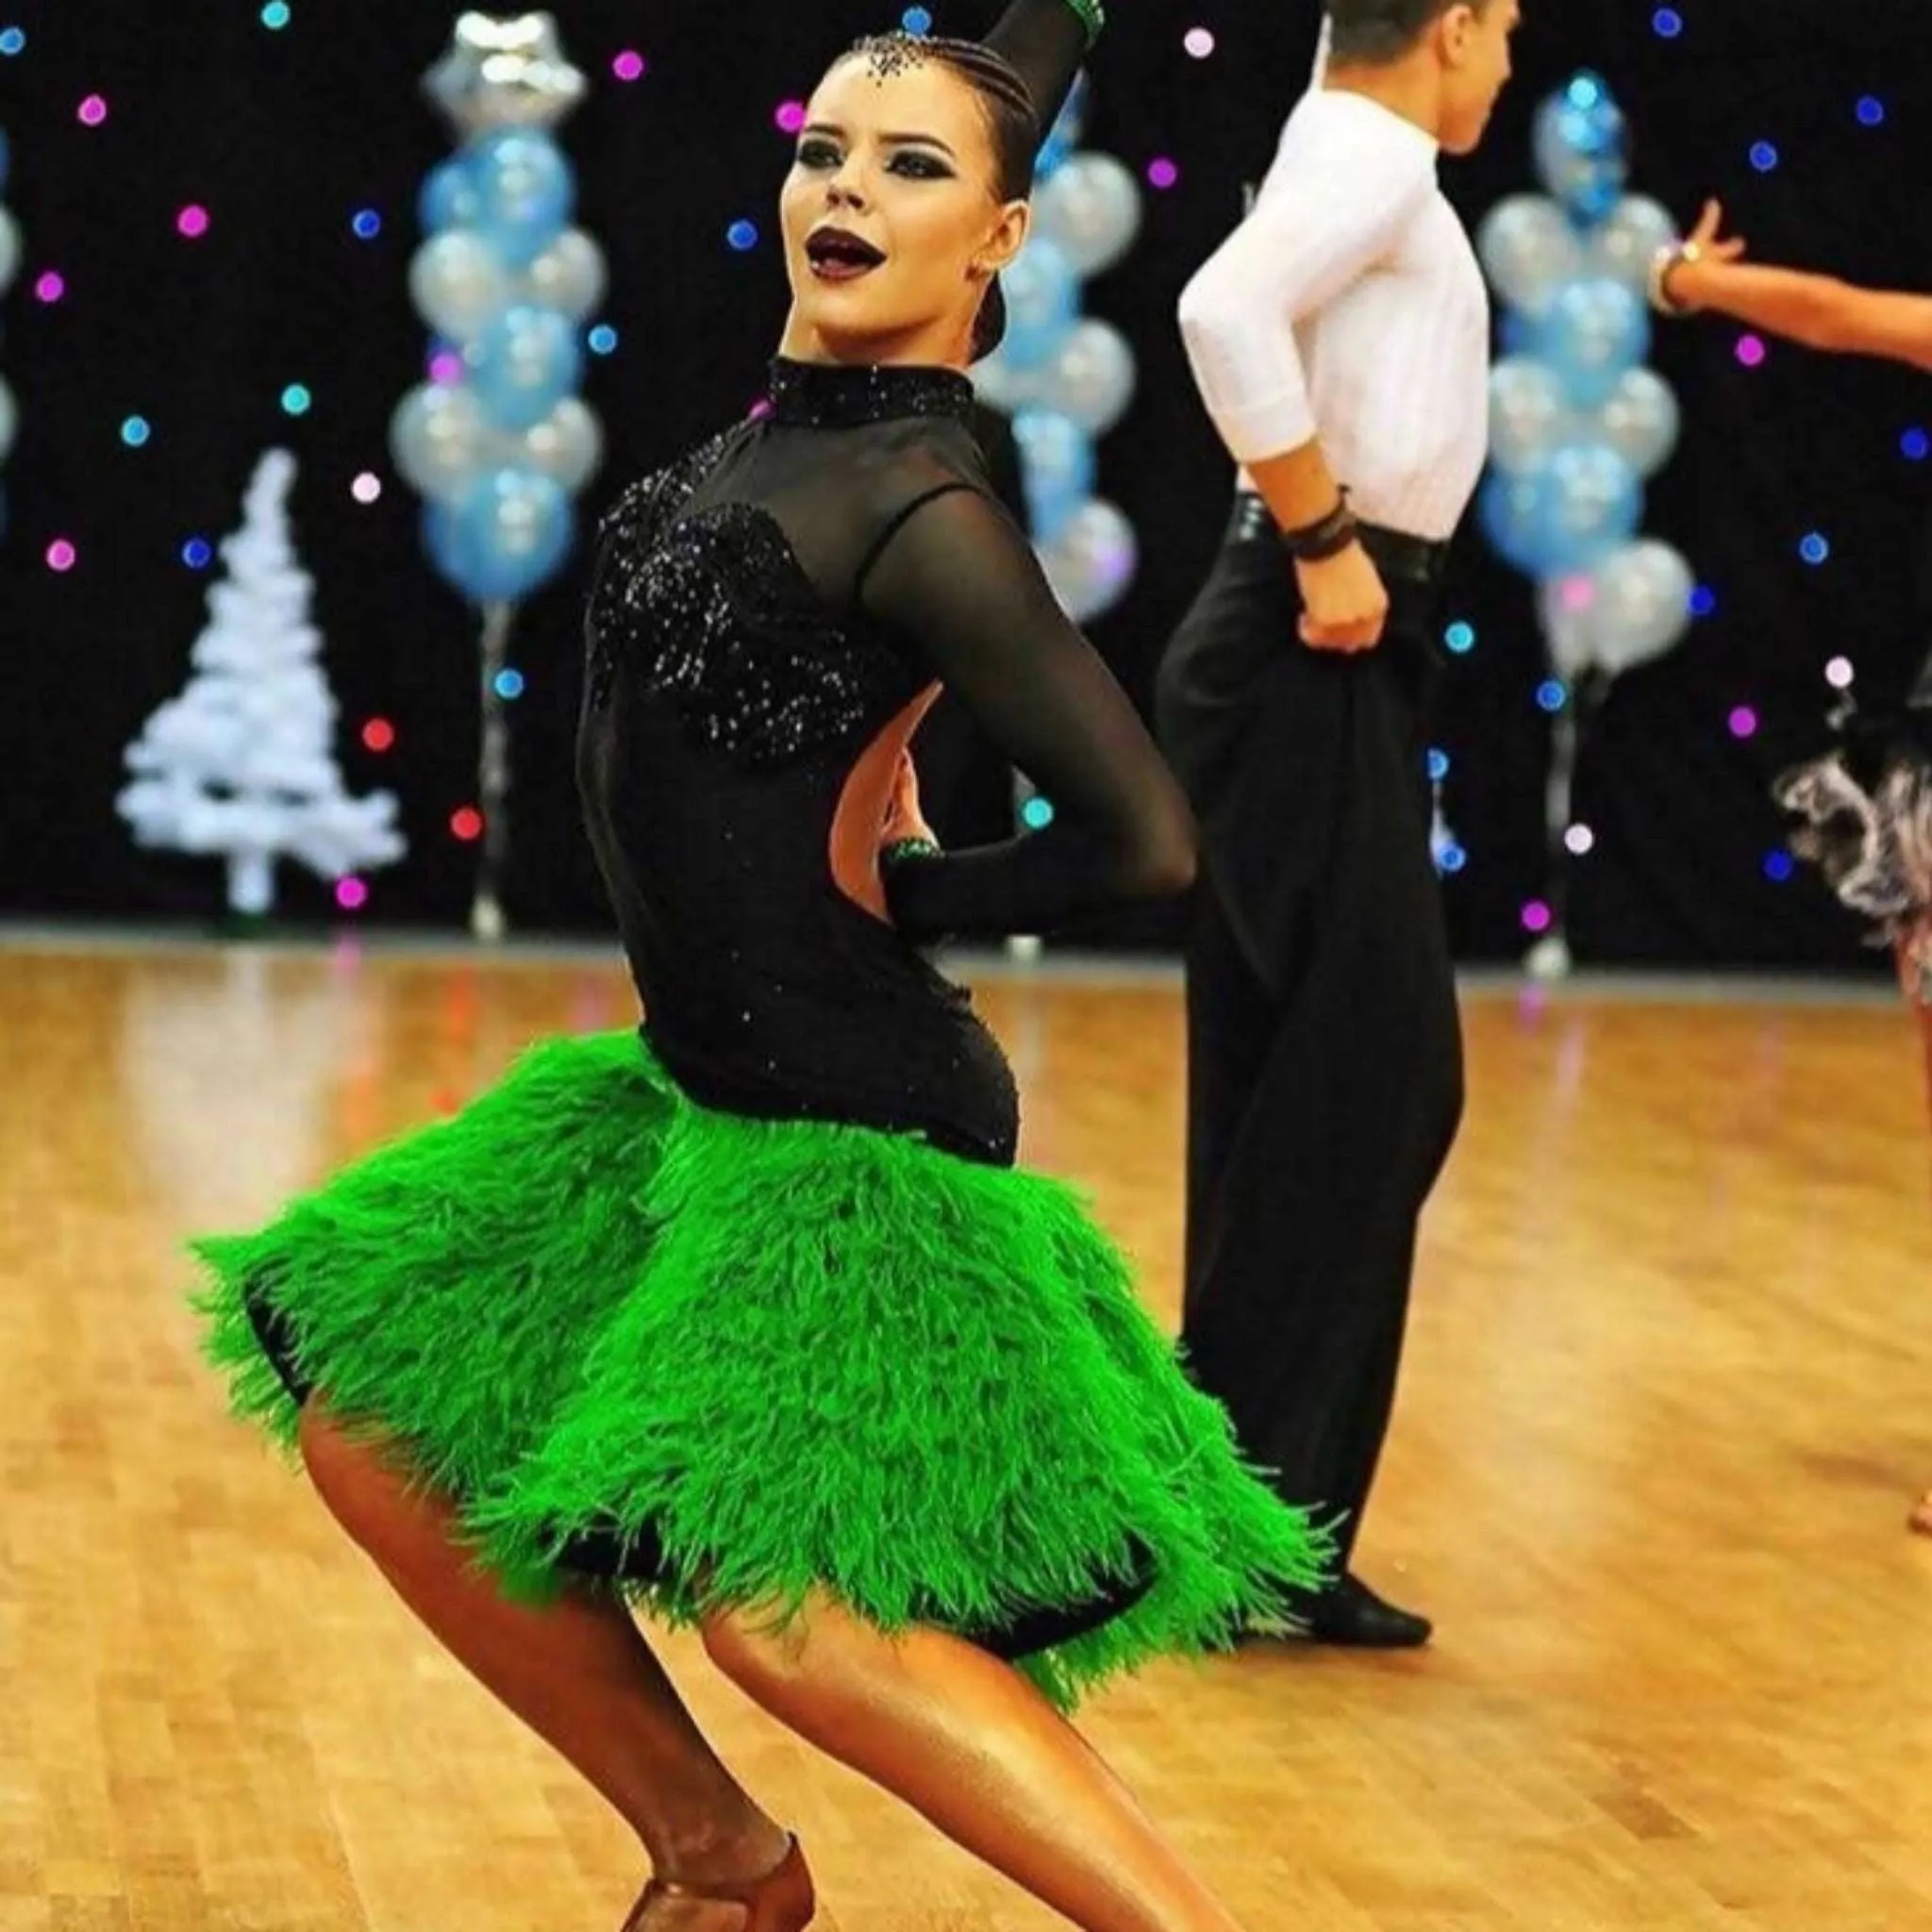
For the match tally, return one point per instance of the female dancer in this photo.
(747, 1319)
(1868, 805)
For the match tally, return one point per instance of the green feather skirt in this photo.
(708, 1361)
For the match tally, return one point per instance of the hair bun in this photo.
(989, 324)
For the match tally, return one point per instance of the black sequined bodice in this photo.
(734, 677)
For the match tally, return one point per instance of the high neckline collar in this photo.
(840, 395)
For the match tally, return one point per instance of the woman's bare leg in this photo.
(578, 1673)
(973, 1745)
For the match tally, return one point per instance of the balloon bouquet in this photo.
(498, 441)
(9, 267)
(1577, 424)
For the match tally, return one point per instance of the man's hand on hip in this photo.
(1344, 604)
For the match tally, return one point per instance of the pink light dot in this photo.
(1751, 351)
(630, 65)
(351, 894)
(1743, 721)
(366, 488)
(446, 368)
(61, 555)
(94, 110)
(192, 221)
(1577, 594)
(1580, 839)
(1199, 42)
(51, 287)
(760, 409)
(1163, 172)
(1838, 673)
(1536, 917)
(790, 116)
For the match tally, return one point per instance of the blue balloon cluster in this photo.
(498, 441)
(1578, 423)
(1066, 378)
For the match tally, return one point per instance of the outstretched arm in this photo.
(1820, 311)
(958, 584)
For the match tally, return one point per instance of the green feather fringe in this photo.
(804, 1355)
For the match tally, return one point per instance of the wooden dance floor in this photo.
(1665, 1410)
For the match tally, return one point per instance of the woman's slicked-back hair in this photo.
(1011, 118)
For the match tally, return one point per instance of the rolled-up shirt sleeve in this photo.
(1347, 183)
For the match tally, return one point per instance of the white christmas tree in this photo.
(241, 763)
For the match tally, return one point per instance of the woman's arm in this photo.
(958, 583)
(1820, 311)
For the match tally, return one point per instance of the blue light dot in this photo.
(366, 224)
(1764, 157)
(135, 431)
(277, 15)
(198, 553)
(1037, 814)
(1452, 858)
(12, 40)
(1813, 548)
(1702, 601)
(296, 399)
(509, 684)
(1778, 867)
(1461, 639)
(1871, 111)
(1586, 90)
(1668, 23)
(1916, 444)
(1439, 764)
(742, 235)
(602, 338)
(916, 20)
(1551, 695)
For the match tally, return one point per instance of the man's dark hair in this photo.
(1371, 33)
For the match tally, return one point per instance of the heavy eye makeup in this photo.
(915, 163)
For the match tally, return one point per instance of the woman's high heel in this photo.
(782, 1901)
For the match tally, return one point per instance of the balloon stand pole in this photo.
(492, 775)
(1551, 958)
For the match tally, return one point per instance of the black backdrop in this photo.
(284, 135)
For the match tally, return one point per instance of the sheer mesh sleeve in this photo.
(1046, 41)
(958, 582)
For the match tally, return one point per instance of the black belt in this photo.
(1395, 552)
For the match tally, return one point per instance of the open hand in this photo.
(1706, 249)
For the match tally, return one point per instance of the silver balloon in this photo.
(1626, 242)
(1530, 250)
(458, 282)
(440, 438)
(1642, 604)
(1569, 611)
(505, 74)
(568, 275)
(1000, 386)
(1529, 414)
(568, 444)
(9, 250)
(1091, 563)
(9, 420)
(1640, 421)
(1091, 205)
(1092, 380)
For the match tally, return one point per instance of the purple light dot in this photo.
(630, 65)
(760, 409)
(351, 894)
(61, 555)
(1536, 917)
(446, 366)
(94, 110)
(1839, 674)
(1163, 172)
(367, 486)
(1743, 721)
(791, 116)
(1751, 351)
(1199, 42)
(51, 287)
(192, 221)
(1577, 594)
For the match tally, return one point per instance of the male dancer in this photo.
(1340, 341)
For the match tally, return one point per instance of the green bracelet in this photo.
(1092, 16)
(902, 849)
